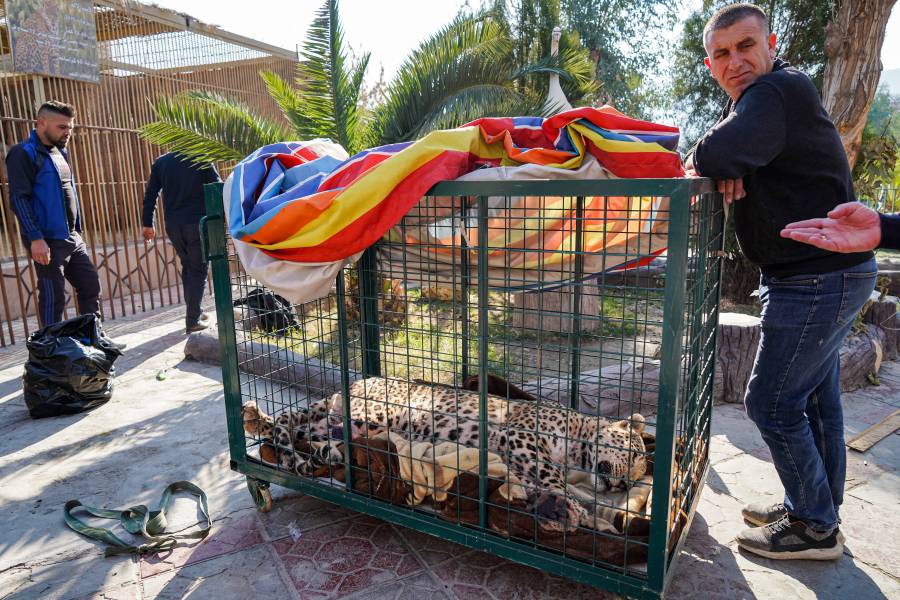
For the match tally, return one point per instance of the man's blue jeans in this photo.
(794, 394)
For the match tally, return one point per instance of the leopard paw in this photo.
(557, 513)
(335, 454)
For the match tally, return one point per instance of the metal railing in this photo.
(144, 52)
(885, 200)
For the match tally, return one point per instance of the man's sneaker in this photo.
(198, 326)
(204, 317)
(762, 513)
(787, 539)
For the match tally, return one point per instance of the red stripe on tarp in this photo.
(352, 172)
(368, 228)
(492, 128)
(306, 153)
(633, 165)
(606, 117)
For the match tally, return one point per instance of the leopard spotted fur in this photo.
(547, 446)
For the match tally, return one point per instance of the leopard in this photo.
(557, 453)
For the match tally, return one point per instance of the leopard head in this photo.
(620, 453)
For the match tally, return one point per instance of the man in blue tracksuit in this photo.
(181, 182)
(43, 197)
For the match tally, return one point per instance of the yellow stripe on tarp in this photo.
(536, 224)
(639, 206)
(572, 163)
(369, 190)
(559, 256)
(618, 146)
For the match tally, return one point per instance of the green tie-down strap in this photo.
(140, 520)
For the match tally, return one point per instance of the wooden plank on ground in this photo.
(871, 436)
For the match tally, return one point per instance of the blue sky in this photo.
(388, 29)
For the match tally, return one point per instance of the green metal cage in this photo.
(597, 297)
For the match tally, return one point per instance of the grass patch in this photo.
(437, 337)
(727, 305)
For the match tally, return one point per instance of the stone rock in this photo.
(738, 337)
(892, 277)
(861, 357)
(607, 391)
(552, 311)
(275, 364)
(884, 312)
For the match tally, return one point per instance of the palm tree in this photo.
(465, 71)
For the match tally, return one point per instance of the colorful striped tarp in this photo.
(532, 241)
(297, 203)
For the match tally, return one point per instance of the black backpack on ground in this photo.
(274, 312)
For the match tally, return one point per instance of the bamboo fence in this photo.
(144, 52)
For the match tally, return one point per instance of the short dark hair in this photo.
(55, 106)
(731, 14)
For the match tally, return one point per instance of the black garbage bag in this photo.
(274, 312)
(69, 369)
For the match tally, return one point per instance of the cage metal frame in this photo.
(690, 296)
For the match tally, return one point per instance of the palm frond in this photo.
(348, 109)
(468, 54)
(207, 127)
(575, 60)
(288, 99)
(471, 103)
(573, 66)
(330, 86)
(188, 143)
(548, 65)
(314, 78)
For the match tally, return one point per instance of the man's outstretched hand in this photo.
(850, 227)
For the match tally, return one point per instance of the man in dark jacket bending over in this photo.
(777, 153)
(181, 183)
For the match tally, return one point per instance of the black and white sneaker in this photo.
(789, 539)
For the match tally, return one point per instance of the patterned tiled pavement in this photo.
(157, 431)
(357, 556)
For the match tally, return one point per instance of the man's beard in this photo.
(58, 142)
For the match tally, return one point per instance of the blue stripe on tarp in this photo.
(527, 121)
(297, 182)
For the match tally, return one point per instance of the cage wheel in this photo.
(261, 493)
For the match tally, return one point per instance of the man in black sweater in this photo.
(776, 152)
(181, 182)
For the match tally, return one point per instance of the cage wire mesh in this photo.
(517, 312)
